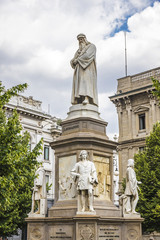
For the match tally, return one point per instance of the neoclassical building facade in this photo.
(39, 125)
(137, 110)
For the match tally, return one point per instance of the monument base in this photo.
(36, 215)
(132, 215)
(86, 213)
(83, 227)
(81, 110)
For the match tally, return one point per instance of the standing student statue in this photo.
(84, 89)
(84, 174)
(131, 192)
(39, 195)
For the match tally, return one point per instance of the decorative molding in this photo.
(141, 109)
(127, 100)
(145, 75)
(86, 231)
(132, 234)
(118, 104)
(150, 95)
(36, 234)
(29, 100)
(152, 98)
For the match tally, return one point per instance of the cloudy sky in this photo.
(38, 40)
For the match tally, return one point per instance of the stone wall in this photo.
(152, 236)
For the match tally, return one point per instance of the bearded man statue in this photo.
(84, 89)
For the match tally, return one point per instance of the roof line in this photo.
(132, 91)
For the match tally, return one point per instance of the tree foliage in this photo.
(147, 166)
(156, 85)
(17, 167)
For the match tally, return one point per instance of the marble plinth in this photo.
(84, 228)
(81, 110)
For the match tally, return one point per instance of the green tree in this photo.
(17, 167)
(147, 166)
(156, 85)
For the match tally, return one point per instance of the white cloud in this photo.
(144, 39)
(38, 40)
(108, 113)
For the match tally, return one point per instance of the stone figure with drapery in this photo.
(84, 89)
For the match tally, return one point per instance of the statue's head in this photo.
(82, 40)
(81, 35)
(130, 163)
(83, 154)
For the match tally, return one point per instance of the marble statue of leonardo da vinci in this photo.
(84, 89)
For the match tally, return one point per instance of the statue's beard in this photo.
(81, 46)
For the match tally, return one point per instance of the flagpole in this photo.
(125, 53)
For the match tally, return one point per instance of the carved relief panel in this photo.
(133, 232)
(35, 231)
(103, 189)
(86, 231)
(67, 187)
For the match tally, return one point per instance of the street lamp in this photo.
(115, 163)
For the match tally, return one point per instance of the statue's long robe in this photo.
(131, 182)
(40, 184)
(85, 75)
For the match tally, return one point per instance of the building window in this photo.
(141, 149)
(142, 124)
(46, 152)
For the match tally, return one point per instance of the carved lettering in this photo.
(60, 232)
(70, 128)
(109, 233)
(62, 237)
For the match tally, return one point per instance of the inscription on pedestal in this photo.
(67, 128)
(59, 232)
(109, 232)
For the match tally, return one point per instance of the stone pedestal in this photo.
(78, 133)
(84, 228)
(81, 110)
(84, 129)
